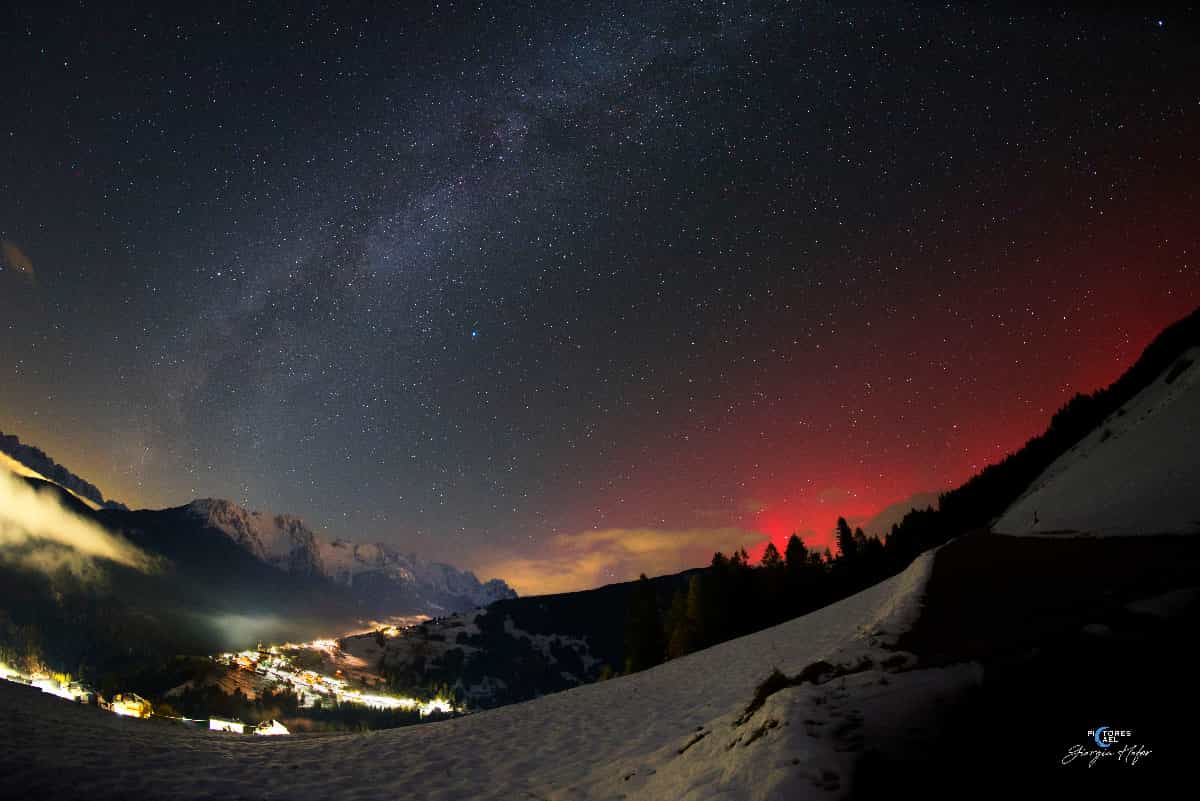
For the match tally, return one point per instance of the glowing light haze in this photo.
(38, 531)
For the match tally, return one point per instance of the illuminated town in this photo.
(276, 667)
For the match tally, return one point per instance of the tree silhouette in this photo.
(771, 560)
(846, 543)
(644, 646)
(795, 555)
(680, 639)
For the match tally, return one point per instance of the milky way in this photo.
(485, 282)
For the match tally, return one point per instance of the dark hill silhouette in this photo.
(597, 614)
(37, 459)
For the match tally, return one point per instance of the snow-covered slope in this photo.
(677, 731)
(1138, 473)
(388, 576)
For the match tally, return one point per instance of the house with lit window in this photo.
(270, 728)
(226, 724)
(131, 705)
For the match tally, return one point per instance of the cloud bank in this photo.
(38, 532)
(592, 558)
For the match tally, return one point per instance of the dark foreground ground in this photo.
(1063, 652)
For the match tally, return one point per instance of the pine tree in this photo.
(644, 641)
(680, 634)
(873, 551)
(770, 588)
(716, 599)
(847, 547)
(795, 555)
(771, 560)
(860, 542)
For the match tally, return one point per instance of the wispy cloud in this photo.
(594, 557)
(12, 258)
(38, 532)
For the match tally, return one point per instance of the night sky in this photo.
(563, 292)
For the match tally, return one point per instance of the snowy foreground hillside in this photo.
(678, 731)
(1138, 473)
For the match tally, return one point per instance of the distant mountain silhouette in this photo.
(36, 459)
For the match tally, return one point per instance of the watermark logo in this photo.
(1107, 744)
(1106, 737)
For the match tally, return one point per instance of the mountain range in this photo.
(375, 573)
(222, 578)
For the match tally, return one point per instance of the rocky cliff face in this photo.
(282, 541)
(387, 577)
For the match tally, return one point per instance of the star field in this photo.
(477, 278)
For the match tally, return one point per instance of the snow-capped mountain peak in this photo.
(282, 541)
(377, 570)
(352, 563)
